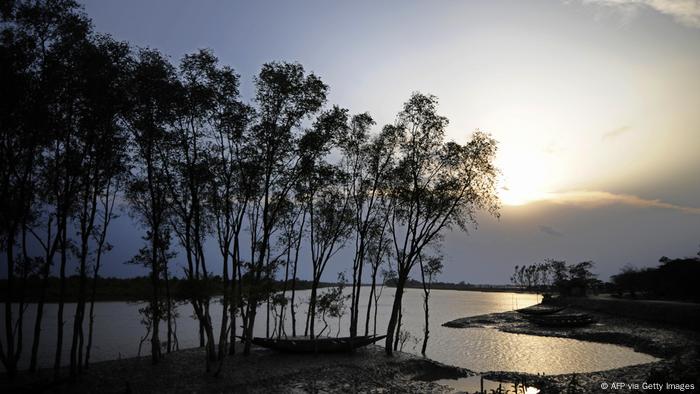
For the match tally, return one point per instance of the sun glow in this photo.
(525, 177)
(518, 196)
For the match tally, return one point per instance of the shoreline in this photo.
(52, 298)
(678, 350)
(370, 370)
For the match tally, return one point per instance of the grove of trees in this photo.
(673, 279)
(86, 121)
(556, 275)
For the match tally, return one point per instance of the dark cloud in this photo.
(611, 235)
(615, 132)
(686, 12)
(587, 198)
(550, 231)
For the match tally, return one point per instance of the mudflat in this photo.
(263, 371)
(677, 348)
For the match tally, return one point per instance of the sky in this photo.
(595, 104)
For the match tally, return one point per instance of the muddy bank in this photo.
(675, 313)
(264, 371)
(678, 349)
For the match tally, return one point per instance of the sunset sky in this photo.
(595, 104)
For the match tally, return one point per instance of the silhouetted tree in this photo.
(63, 81)
(558, 269)
(332, 304)
(100, 141)
(20, 146)
(84, 117)
(284, 97)
(290, 239)
(229, 191)
(367, 163)
(581, 275)
(152, 98)
(430, 266)
(435, 186)
(105, 216)
(672, 279)
(555, 273)
(378, 251)
(191, 159)
(329, 228)
(326, 197)
(40, 114)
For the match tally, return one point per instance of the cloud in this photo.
(552, 148)
(686, 12)
(588, 198)
(550, 231)
(615, 132)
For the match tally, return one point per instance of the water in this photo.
(474, 384)
(118, 331)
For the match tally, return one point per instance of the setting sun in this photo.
(525, 177)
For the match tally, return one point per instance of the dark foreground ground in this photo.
(264, 371)
(679, 350)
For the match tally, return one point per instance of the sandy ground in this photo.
(264, 371)
(679, 350)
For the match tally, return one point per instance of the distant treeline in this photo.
(675, 279)
(417, 284)
(139, 288)
(553, 275)
(127, 289)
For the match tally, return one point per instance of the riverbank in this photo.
(678, 350)
(139, 289)
(670, 312)
(264, 371)
(136, 289)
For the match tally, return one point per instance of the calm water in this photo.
(118, 331)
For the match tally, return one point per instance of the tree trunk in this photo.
(294, 274)
(292, 307)
(284, 290)
(376, 301)
(369, 301)
(426, 330)
(267, 318)
(234, 299)
(354, 307)
(224, 310)
(61, 297)
(393, 320)
(312, 308)
(397, 337)
(252, 301)
(91, 322)
(8, 358)
(250, 324)
(155, 312)
(201, 333)
(76, 344)
(169, 311)
(306, 326)
(46, 270)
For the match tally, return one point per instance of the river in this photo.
(118, 331)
